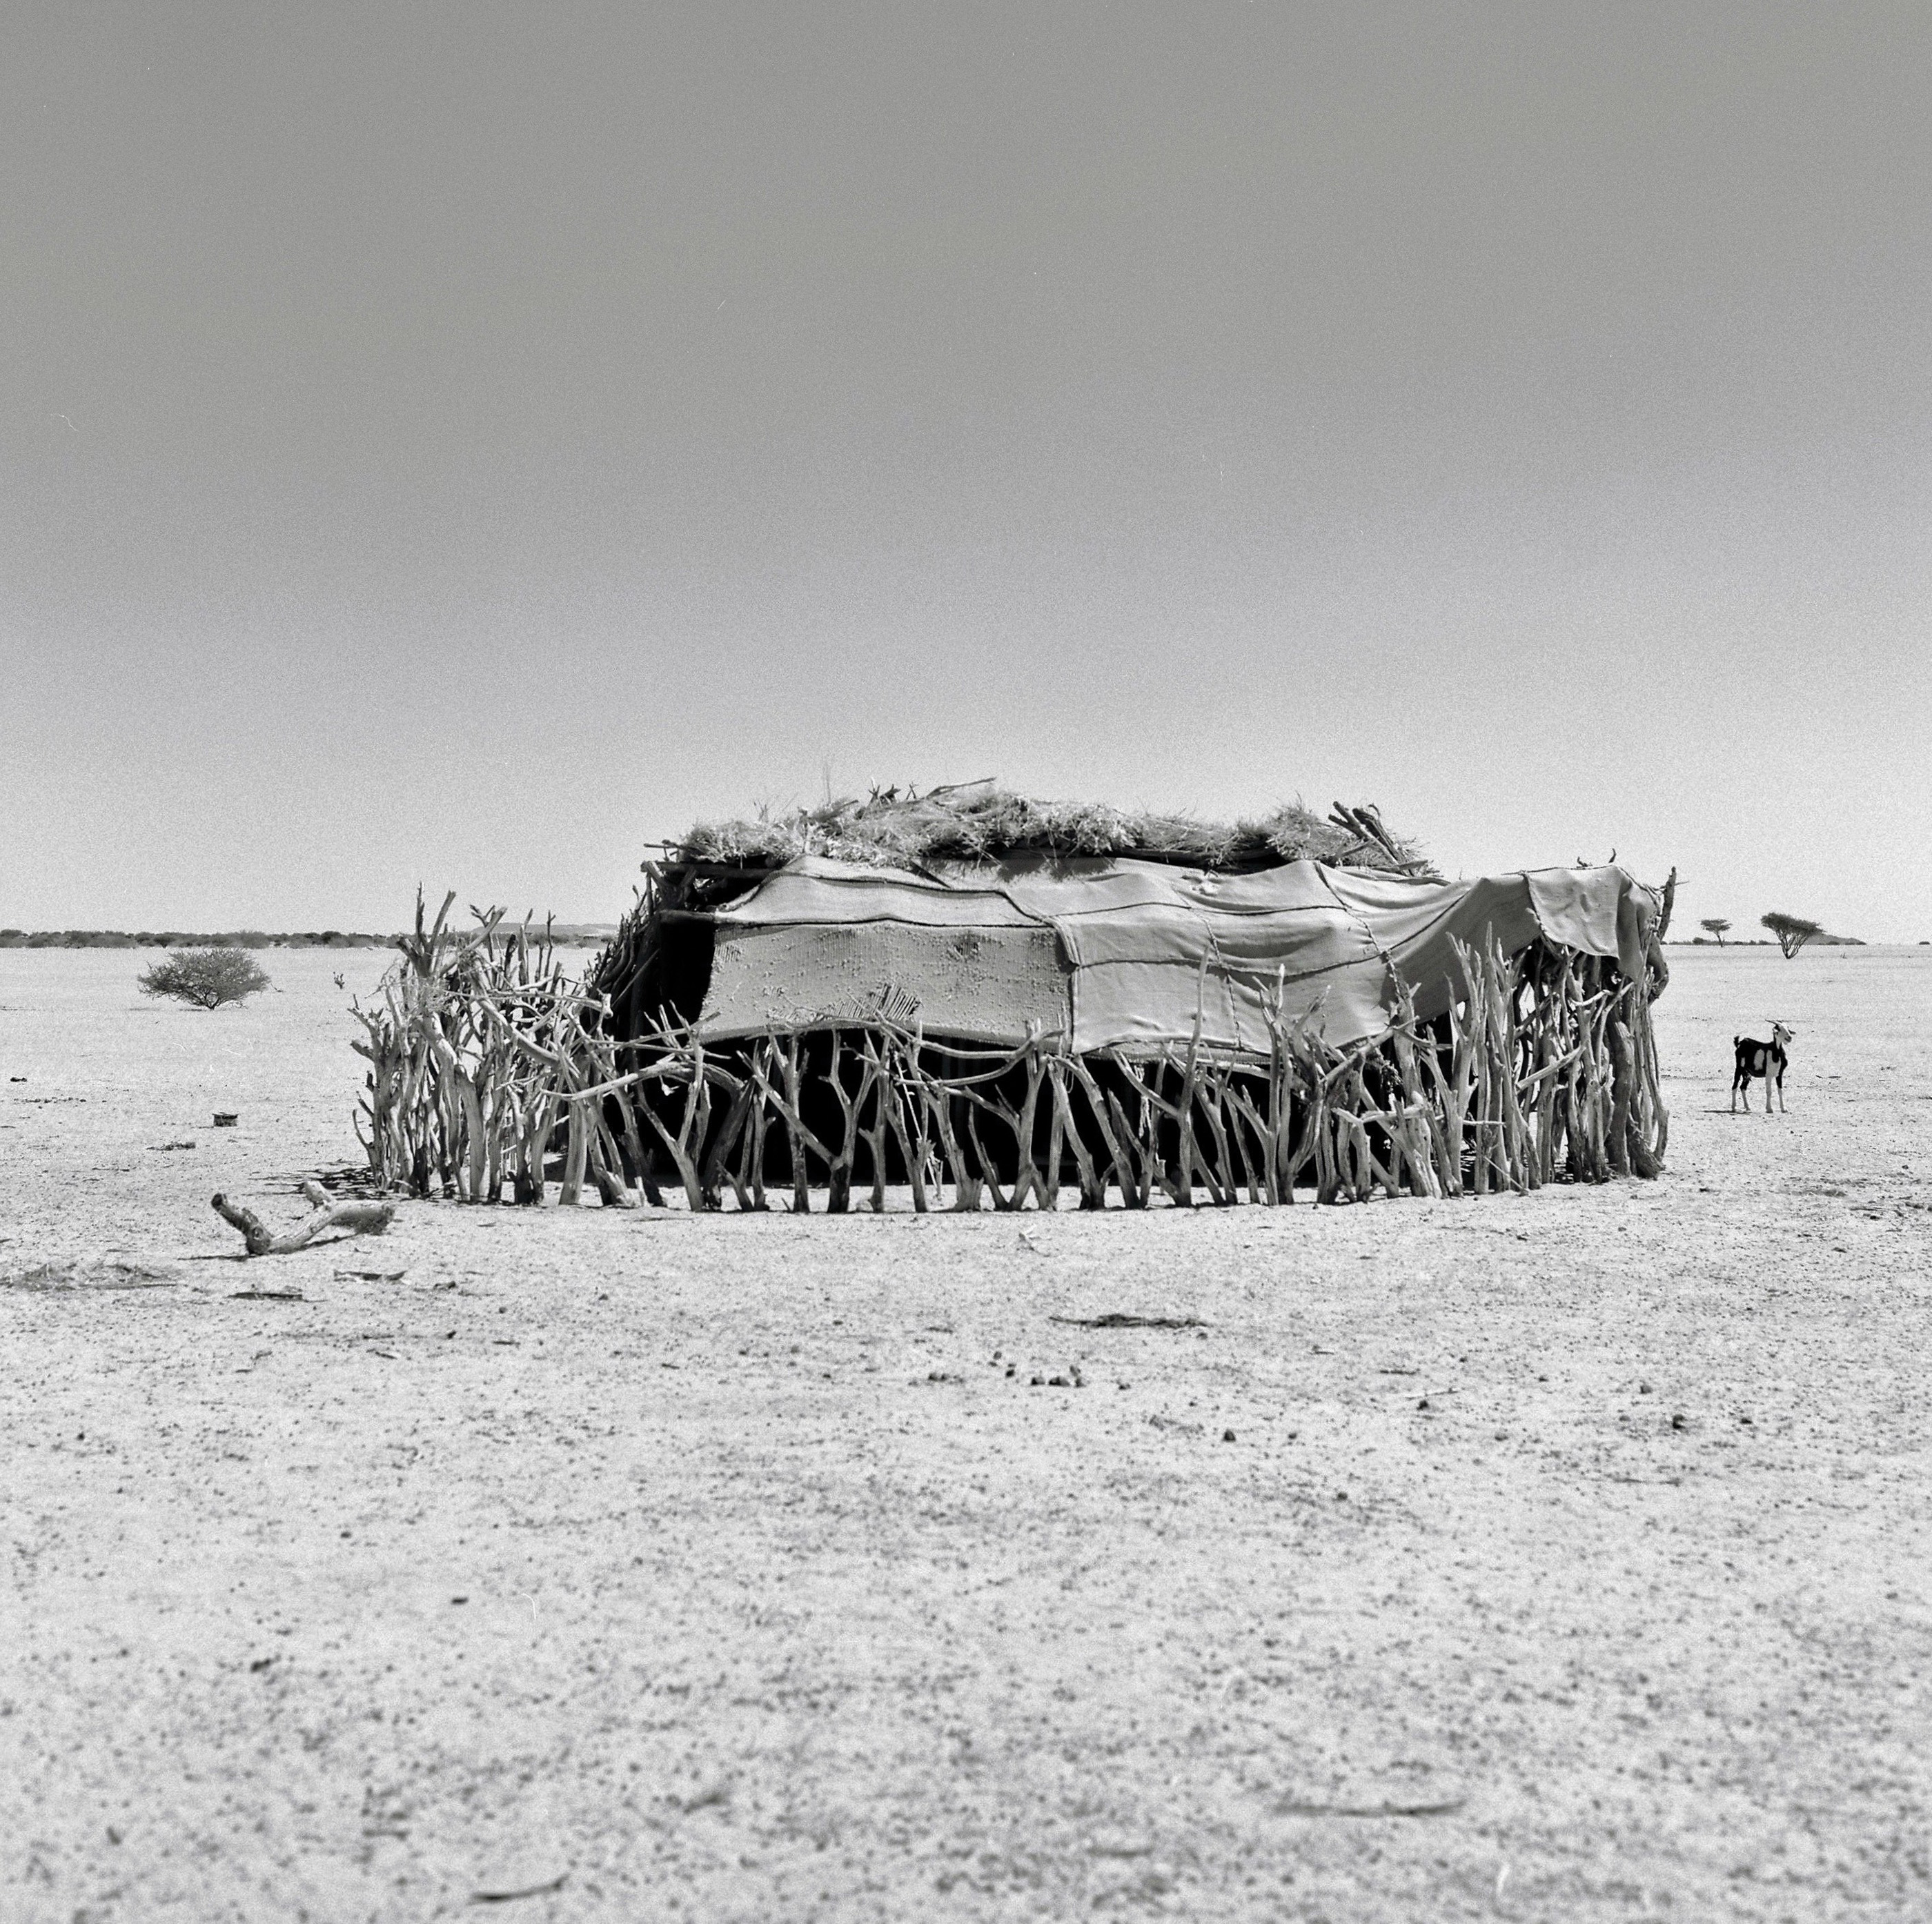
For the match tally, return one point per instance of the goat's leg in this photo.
(1781, 1089)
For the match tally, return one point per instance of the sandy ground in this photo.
(1559, 1558)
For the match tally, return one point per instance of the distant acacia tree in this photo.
(1792, 932)
(1716, 926)
(206, 978)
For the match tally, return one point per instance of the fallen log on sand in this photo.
(355, 1219)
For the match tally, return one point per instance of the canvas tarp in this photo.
(1103, 952)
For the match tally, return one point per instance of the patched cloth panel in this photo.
(1108, 952)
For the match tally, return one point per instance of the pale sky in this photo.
(460, 443)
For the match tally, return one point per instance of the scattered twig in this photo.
(1294, 1807)
(512, 1896)
(353, 1219)
(1115, 1319)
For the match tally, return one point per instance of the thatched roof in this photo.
(980, 821)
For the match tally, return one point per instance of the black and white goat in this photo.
(1765, 1059)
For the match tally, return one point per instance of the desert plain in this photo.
(1564, 1556)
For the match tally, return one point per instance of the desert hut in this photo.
(985, 998)
(970, 991)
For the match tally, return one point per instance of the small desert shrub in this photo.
(206, 977)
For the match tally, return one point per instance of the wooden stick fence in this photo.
(489, 1066)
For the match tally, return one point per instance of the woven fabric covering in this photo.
(1098, 952)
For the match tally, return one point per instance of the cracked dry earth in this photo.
(1563, 1557)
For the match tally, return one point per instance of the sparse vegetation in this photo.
(980, 821)
(205, 977)
(1717, 927)
(1792, 932)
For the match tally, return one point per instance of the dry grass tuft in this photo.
(83, 1273)
(980, 821)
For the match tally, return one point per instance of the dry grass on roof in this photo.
(981, 821)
